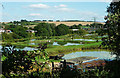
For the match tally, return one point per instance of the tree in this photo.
(82, 32)
(57, 20)
(61, 29)
(99, 31)
(6, 36)
(50, 20)
(112, 27)
(21, 31)
(44, 29)
(75, 26)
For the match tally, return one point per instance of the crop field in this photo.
(73, 23)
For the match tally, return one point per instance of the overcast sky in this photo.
(40, 10)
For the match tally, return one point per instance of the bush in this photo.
(22, 63)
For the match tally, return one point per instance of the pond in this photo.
(33, 43)
(27, 49)
(88, 34)
(66, 44)
(33, 39)
(21, 48)
(99, 54)
(0, 48)
(102, 36)
(84, 39)
(60, 43)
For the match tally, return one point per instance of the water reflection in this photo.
(32, 43)
(29, 49)
(85, 39)
(33, 39)
(55, 43)
(72, 44)
(99, 54)
(67, 44)
(22, 48)
(89, 34)
(0, 48)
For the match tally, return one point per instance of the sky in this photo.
(57, 0)
(15, 11)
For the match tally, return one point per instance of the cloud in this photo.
(39, 16)
(43, 6)
(65, 9)
(35, 14)
(60, 6)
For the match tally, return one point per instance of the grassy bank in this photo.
(65, 49)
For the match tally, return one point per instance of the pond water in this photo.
(24, 48)
(84, 39)
(0, 48)
(88, 34)
(32, 43)
(33, 39)
(27, 49)
(102, 36)
(67, 44)
(99, 54)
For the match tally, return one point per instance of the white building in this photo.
(75, 29)
(2, 30)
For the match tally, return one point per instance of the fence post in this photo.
(64, 64)
(52, 69)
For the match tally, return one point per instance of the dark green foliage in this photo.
(100, 32)
(96, 25)
(44, 20)
(61, 30)
(50, 20)
(21, 31)
(112, 27)
(17, 31)
(6, 36)
(42, 32)
(44, 29)
(82, 32)
(76, 26)
(57, 20)
(113, 67)
(17, 63)
(79, 32)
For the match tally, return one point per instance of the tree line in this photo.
(43, 29)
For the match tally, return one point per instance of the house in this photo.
(8, 31)
(2, 30)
